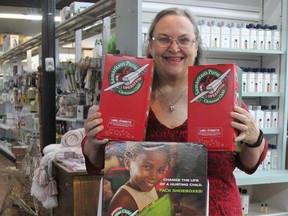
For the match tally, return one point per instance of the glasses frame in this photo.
(155, 38)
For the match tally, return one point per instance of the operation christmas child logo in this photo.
(210, 86)
(126, 77)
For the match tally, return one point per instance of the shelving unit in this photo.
(66, 31)
(255, 210)
(86, 24)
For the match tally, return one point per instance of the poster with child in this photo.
(155, 178)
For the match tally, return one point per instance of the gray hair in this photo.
(180, 12)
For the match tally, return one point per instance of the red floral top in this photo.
(224, 197)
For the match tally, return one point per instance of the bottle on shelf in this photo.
(274, 116)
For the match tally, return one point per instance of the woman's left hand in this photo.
(245, 124)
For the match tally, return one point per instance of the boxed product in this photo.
(125, 95)
(10, 41)
(64, 13)
(154, 178)
(213, 91)
(77, 7)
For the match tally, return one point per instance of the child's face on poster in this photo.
(148, 169)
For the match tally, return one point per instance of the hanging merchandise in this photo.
(97, 51)
(70, 74)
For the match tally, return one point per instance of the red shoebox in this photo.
(213, 91)
(125, 95)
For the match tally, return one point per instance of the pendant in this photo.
(171, 108)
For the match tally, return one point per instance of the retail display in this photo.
(20, 102)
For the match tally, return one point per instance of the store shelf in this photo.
(30, 130)
(255, 210)
(69, 119)
(261, 94)
(249, 52)
(65, 31)
(261, 177)
(267, 131)
(7, 127)
(7, 153)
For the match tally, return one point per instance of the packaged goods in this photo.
(77, 7)
(125, 95)
(213, 91)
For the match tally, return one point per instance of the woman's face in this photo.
(173, 60)
(147, 169)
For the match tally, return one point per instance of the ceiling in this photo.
(27, 27)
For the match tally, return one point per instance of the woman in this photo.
(175, 44)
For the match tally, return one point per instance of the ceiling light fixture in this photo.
(24, 17)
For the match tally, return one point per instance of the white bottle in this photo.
(274, 157)
(244, 80)
(245, 201)
(215, 35)
(225, 35)
(258, 80)
(250, 80)
(244, 37)
(235, 36)
(267, 37)
(251, 111)
(260, 37)
(266, 80)
(259, 116)
(205, 33)
(275, 38)
(274, 80)
(267, 161)
(274, 116)
(199, 25)
(267, 116)
(253, 36)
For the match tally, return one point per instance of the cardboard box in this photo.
(10, 41)
(64, 13)
(176, 172)
(125, 95)
(77, 7)
(213, 91)
(19, 150)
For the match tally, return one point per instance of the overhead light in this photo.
(24, 17)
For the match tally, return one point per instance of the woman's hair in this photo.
(180, 12)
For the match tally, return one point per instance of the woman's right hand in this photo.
(94, 147)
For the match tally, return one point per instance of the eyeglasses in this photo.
(166, 41)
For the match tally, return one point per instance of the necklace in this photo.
(172, 105)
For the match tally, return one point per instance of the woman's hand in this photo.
(245, 124)
(248, 133)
